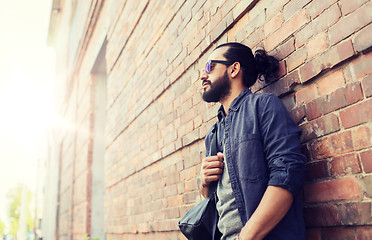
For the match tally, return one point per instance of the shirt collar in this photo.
(234, 105)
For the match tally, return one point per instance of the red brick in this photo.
(273, 24)
(340, 98)
(172, 213)
(354, 213)
(367, 86)
(322, 215)
(240, 8)
(361, 137)
(320, 24)
(186, 128)
(238, 32)
(359, 68)
(320, 127)
(366, 158)
(306, 94)
(191, 137)
(342, 52)
(345, 165)
(293, 7)
(255, 38)
(350, 6)
(367, 185)
(296, 59)
(330, 82)
(284, 85)
(338, 234)
(313, 234)
(357, 114)
(285, 49)
(317, 170)
(350, 24)
(333, 190)
(275, 7)
(298, 114)
(316, 45)
(316, 7)
(189, 173)
(287, 29)
(364, 233)
(191, 185)
(221, 26)
(288, 101)
(308, 71)
(190, 197)
(340, 143)
(329, 59)
(362, 41)
(282, 69)
(332, 145)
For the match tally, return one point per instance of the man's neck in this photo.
(229, 99)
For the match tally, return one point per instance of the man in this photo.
(259, 167)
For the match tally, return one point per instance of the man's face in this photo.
(216, 83)
(217, 90)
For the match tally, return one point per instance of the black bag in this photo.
(200, 222)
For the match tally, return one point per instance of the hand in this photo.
(211, 169)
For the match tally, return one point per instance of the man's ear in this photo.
(235, 69)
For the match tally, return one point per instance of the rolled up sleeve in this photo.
(281, 142)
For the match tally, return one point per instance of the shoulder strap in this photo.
(213, 185)
(214, 140)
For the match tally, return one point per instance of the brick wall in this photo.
(156, 121)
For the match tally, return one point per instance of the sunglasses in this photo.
(208, 66)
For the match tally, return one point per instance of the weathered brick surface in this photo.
(338, 99)
(367, 86)
(313, 234)
(338, 233)
(338, 214)
(156, 120)
(367, 160)
(359, 68)
(345, 165)
(357, 114)
(361, 40)
(320, 127)
(287, 29)
(350, 23)
(317, 170)
(337, 189)
(330, 83)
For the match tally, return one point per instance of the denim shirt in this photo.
(262, 148)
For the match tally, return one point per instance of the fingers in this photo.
(219, 157)
(212, 169)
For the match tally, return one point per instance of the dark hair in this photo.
(261, 65)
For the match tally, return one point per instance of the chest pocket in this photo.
(247, 151)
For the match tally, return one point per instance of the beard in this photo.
(218, 90)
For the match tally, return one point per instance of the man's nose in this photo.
(203, 75)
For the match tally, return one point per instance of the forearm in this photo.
(204, 190)
(273, 206)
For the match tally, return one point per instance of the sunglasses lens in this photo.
(207, 67)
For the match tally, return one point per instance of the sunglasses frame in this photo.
(207, 68)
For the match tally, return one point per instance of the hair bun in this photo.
(267, 66)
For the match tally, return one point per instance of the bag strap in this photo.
(214, 151)
(213, 187)
(214, 140)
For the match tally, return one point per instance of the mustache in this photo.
(206, 81)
